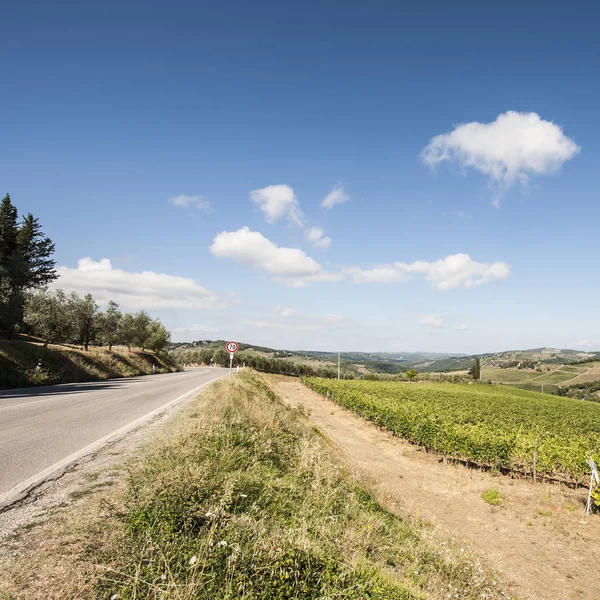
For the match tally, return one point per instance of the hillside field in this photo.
(559, 375)
(491, 425)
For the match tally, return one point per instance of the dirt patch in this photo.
(537, 537)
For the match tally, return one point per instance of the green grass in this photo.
(556, 377)
(549, 388)
(494, 425)
(69, 364)
(504, 375)
(575, 369)
(242, 500)
(492, 496)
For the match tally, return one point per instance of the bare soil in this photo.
(537, 538)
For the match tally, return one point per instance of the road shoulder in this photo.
(94, 470)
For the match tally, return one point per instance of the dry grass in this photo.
(240, 499)
(70, 364)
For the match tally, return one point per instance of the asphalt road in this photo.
(40, 427)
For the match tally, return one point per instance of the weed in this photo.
(492, 496)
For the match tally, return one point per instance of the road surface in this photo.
(40, 427)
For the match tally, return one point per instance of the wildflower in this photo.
(163, 576)
(222, 544)
(193, 561)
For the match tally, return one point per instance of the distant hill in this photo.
(399, 362)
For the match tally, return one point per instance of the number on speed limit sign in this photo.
(232, 347)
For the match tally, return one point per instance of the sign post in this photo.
(593, 479)
(232, 348)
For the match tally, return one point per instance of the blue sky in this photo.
(119, 122)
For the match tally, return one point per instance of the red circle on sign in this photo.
(232, 347)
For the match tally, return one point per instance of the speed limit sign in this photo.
(232, 347)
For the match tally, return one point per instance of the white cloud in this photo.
(285, 312)
(380, 274)
(336, 196)
(316, 236)
(144, 290)
(432, 322)
(251, 248)
(295, 268)
(191, 201)
(447, 273)
(277, 202)
(462, 327)
(510, 149)
(463, 215)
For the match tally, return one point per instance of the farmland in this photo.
(490, 425)
(548, 379)
(507, 375)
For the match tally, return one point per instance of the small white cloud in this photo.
(336, 196)
(144, 290)
(380, 274)
(316, 236)
(334, 318)
(447, 273)
(277, 202)
(463, 215)
(285, 312)
(199, 202)
(462, 327)
(432, 322)
(508, 150)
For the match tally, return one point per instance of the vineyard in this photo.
(485, 424)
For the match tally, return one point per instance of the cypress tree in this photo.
(25, 262)
(35, 250)
(8, 263)
(475, 370)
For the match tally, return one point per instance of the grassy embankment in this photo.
(499, 426)
(242, 498)
(70, 364)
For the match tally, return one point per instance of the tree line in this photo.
(27, 306)
(259, 362)
(58, 317)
